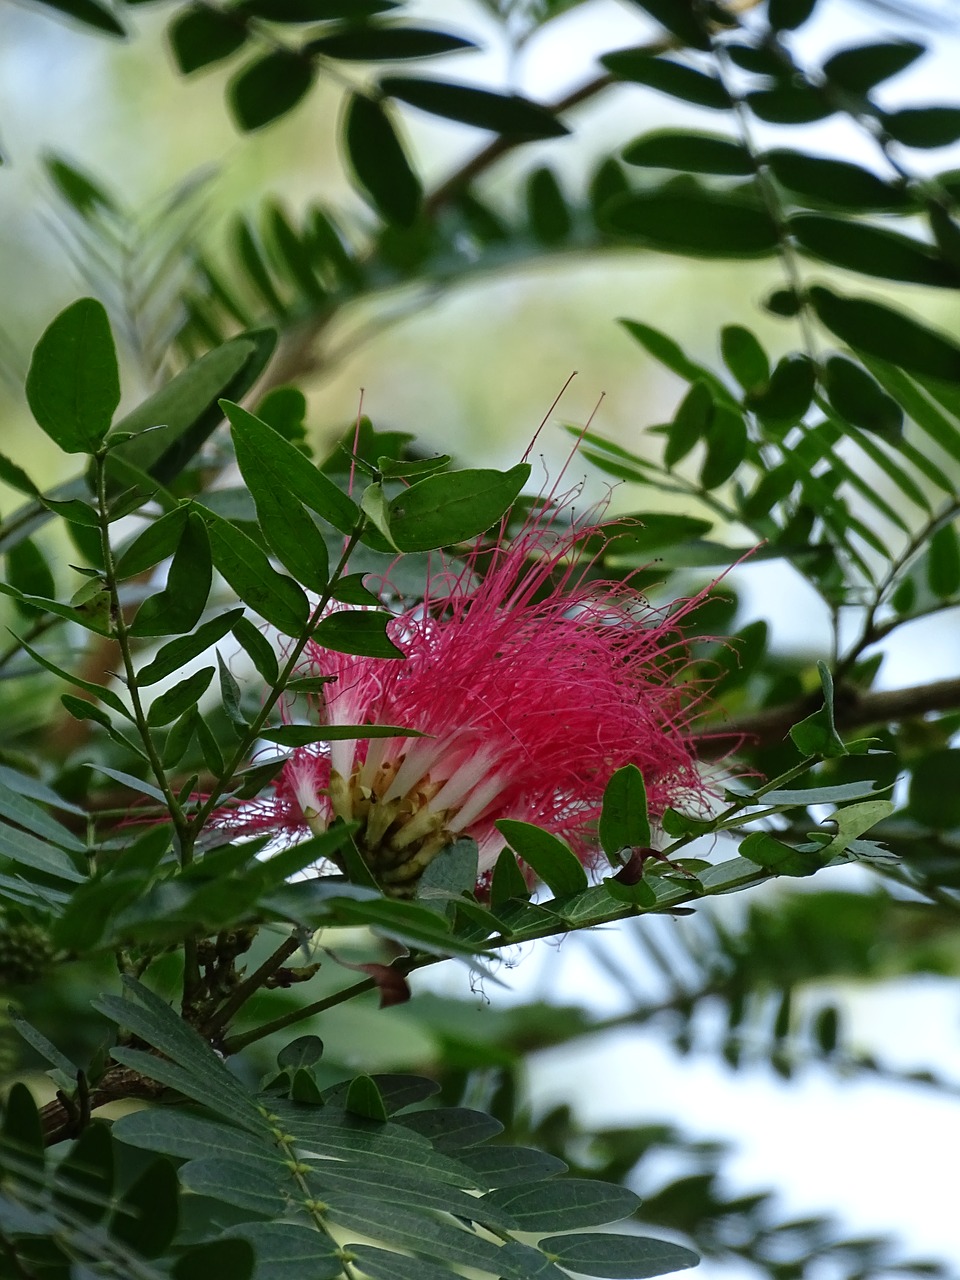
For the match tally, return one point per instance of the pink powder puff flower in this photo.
(534, 684)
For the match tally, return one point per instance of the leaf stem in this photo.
(122, 636)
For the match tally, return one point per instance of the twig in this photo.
(853, 710)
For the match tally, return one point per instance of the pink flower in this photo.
(534, 684)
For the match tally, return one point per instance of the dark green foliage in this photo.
(138, 811)
(668, 76)
(689, 152)
(269, 87)
(379, 161)
(508, 114)
(201, 36)
(696, 224)
(73, 385)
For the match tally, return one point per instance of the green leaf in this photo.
(105, 695)
(452, 873)
(290, 532)
(873, 251)
(180, 605)
(171, 425)
(923, 127)
(230, 695)
(287, 1251)
(547, 854)
(817, 735)
(435, 1237)
(549, 217)
(789, 394)
(453, 507)
(174, 702)
(363, 1099)
(194, 1067)
(853, 821)
(617, 1257)
(76, 187)
(679, 81)
(255, 1184)
(65, 1072)
(506, 1166)
(681, 18)
(21, 1132)
(507, 114)
(155, 543)
(690, 424)
(302, 735)
(73, 386)
(778, 858)
(670, 354)
(624, 823)
(387, 44)
(797, 103)
(379, 161)
(565, 1203)
(179, 652)
(382, 1264)
(91, 13)
(698, 224)
(839, 183)
(29, 572)
(268, 88)
(508, 881)
(360, 631)
(745, 357)
(257, 648)
(881, 331)
(860, 400)
(274, 596)
(85, 1174)
(201, 36)
(146, 1217)
(689, 153)
(16, 477)
(943, 562)
(265, 448)
(726, 442)
(314, 10)
(859, 68)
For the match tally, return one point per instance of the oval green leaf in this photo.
(360, 631)
(689, 153)
(881, 331)
(698, 224)
(552, 859)
(453, 507)
(503, 113)
(873, 251)
(379, 162)
(73, 386)
(679, 81)
(267, 89)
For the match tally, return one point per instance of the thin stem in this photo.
(235, 1043)
(184, 835)
(122, 635)
(242, 993)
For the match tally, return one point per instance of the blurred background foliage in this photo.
(192, 213)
